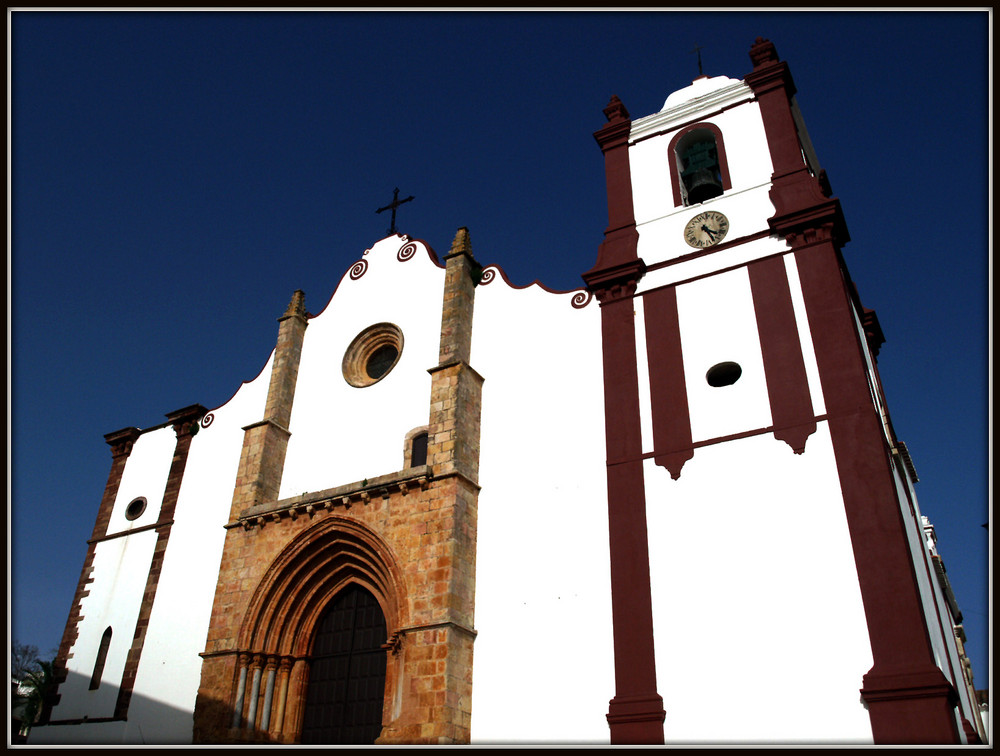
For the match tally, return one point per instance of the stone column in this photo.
(256, 667)
(284, 670)
(241, 689)
(265, 717)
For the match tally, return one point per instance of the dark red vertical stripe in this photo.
(636, 712)
(909, 699)
(185, 424)
(668, 391)
(784, 368)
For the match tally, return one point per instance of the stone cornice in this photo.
(697, 108)
(346, 495)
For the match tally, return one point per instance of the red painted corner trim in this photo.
(909, 699)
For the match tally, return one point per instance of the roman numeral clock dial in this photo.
(706, 229)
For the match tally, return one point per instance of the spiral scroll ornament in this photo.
(406, 252)
(581, 299)
(207, 420)
(358, 269)
(488, 275)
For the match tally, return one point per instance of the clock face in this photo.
(706, 229)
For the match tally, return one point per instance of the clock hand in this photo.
(707, 230)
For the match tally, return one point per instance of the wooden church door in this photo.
(347, 674)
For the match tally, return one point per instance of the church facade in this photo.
(668, 507)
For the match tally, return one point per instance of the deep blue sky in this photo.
(176, 176)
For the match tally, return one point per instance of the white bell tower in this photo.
(758, 509)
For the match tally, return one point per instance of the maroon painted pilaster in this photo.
(616, 257)
(185, 425)
(909, 699)
(784, 369)
(121, 443)
(798, 196)
(671, 417)
(635, 714)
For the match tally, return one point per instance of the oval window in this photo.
(381, 361)
(372, 355)
(135, 508)
(723, 374)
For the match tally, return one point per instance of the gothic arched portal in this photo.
(346, 687)
(334, 588)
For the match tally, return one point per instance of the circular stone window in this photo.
(373, 353)
(723, 374)
(135, 508)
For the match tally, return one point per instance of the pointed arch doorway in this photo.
(346, 686)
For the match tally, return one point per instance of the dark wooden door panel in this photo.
(347, 674)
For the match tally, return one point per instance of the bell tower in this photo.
(750, 463)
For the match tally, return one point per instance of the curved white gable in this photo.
(339, 433)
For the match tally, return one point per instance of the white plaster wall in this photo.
(718, 324)
(544, 668)
(120, 569)
(662, 239)
(760, 630)
(145, 474)
(341, 434)
(162, 705)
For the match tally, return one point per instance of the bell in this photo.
(701, 172)
(701, 185)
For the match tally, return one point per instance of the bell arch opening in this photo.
(699, 169)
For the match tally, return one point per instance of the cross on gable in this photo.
(396, 202)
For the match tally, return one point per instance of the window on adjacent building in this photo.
(102, 655)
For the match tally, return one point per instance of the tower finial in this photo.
(615, 110)
(763, 52)
(697, 49)
(461, 244)
(298, 304)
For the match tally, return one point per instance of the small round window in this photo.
(135, 508)
(373, 354)
(723, 374)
